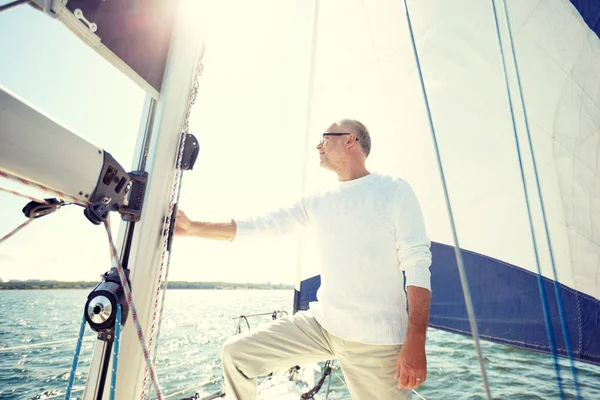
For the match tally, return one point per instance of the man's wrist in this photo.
(415, 339)
(195, 229)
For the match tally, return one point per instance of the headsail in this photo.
(365, 69)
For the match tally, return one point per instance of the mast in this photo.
(160, 131)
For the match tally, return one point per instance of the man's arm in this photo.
(414, 256)
(274, 224)
(207, 230)
(412, 361)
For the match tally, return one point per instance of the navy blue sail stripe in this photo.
(590, 12)
(507, 305)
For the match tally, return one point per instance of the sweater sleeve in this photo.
(411, 239)
(274, 224)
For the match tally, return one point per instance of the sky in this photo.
(52, 69)
(257, 122)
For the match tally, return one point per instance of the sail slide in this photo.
(364, 68)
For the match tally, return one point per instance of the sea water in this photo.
(197, 322)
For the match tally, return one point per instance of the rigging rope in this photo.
(11, 191)
(116, 263)
(559, 301)
(76, 358)
(4, 189)
(124, 283)
(134, 317)
(542, 289)
(66, 197)
(115, 361)
(115, 355)
(62, 196)
(14, 231)
(461, 267)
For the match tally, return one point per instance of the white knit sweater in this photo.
(368, 231)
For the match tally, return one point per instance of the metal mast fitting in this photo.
(35, 148)
(101, 306)
(191, 149)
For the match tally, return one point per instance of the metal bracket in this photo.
(46, 6)
(58, 9)
(190, 152)
(97, 212)
(137, 194)
(172, 227)
(106, 336)
(34, 209)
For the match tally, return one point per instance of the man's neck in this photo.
(352, 173)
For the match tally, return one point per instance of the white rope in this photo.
(56, 193)
(17, 229)
(11, 191)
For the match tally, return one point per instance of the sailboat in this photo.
(490, 110)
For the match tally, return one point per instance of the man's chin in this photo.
(327, 167)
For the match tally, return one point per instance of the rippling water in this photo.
(196, 323)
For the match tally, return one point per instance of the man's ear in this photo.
(352, 139)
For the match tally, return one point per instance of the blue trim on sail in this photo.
(307, 293)
(590, 12)
(507, 305)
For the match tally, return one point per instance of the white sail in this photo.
(357, 61)
(365, 69)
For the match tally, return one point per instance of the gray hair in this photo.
(358, 128)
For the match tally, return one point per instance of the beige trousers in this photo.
(369, 370)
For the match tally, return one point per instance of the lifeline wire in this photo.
(561, 311)
(461, 267)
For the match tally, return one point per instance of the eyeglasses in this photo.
(334, 134)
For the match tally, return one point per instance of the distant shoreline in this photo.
(48, 284)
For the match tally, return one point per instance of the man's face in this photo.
(331, 150)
